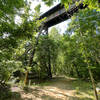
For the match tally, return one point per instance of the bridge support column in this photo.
(49, 56)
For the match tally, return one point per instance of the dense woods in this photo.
(27, 54)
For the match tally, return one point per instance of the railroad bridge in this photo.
(58, 14)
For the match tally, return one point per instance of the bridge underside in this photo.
(63, 16)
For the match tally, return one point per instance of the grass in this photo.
(83, 89)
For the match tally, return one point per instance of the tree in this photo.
(8, 10)
(12, 33)
(88, 38)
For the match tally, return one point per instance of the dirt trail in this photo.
(58, 88)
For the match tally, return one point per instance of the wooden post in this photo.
(26, 78)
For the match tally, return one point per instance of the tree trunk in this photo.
(93, 84)
(32, 55)
(49, 66)
(49, 58)
(77, 71)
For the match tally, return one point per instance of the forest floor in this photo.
(58, 88)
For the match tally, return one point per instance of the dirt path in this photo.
(56, 89)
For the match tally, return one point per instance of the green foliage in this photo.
(72, 53)
(46, 46)
(37, 8)
(49, 2)
(7, 68)
(8, 9)
(12, 34)
(92, 4)
(86, 30)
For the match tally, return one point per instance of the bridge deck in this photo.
(59, 14)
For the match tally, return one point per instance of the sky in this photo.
(62, 26)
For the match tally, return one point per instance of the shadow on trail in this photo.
(39, 94)
(58, 88)
(7, 94)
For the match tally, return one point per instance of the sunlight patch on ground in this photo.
(56, 89)
(82, 95)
